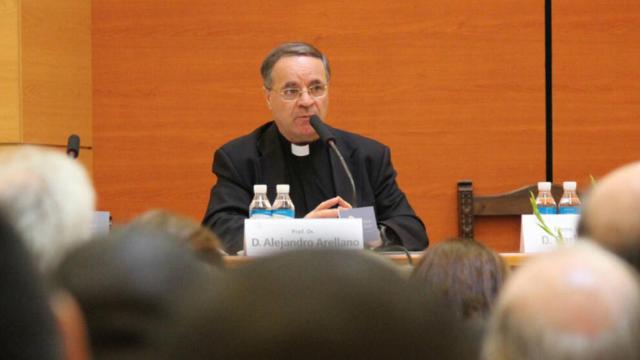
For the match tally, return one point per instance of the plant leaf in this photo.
(542, 224)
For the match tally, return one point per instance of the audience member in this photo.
(576, 303)
(27, 325)
(611, 213)
(317, 304)
(465, 272)
(49, 199)
(128, 285)
(201, 239)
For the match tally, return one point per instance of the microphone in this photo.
(327, 136)
(73, 146)
(323, 131)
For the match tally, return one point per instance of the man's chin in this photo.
(304, 137)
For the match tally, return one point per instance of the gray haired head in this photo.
(290, 49)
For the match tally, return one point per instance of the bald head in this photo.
(577, 303)
(611, 214)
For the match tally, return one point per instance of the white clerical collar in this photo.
(300, 150)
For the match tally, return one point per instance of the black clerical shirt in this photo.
(310, 177)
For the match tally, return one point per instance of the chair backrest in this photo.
(514, 202)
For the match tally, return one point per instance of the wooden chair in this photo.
(515, 202)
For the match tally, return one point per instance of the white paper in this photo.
(268, 236)
(534, 239)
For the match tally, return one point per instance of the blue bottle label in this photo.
(283, 213)
(569, 210)
(260, 213)
(547, 210)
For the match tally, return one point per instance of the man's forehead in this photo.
(297, 69)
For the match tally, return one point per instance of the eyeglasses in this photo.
(293, 93)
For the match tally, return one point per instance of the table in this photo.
(513, 260)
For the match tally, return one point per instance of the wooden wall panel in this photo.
(56, 71)
(9, 72)
(456, 89)
(596, 87)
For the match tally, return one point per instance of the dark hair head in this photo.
(201, 239)
(290, 49)
(465, 272)
(28, 328)
(316, 304)
(128, 285)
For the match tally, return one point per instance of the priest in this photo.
(287, 150)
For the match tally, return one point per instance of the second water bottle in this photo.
(283, 206)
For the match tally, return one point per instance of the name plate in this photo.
(534, 239)
(269, 236)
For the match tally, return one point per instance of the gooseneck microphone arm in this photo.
(327, 137)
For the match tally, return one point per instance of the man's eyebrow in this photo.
(290, 84)
(315, 82)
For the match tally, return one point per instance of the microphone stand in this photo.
(327, 137)
(354, 199)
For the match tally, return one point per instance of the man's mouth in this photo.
(304, 118)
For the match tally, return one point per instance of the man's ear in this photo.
(267, 97)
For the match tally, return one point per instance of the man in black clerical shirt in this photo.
(287, 150)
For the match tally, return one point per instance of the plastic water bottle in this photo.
(260, 207)
(283, 206)
(569, 203)
(545, 202)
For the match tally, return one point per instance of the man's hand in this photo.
(327, 209)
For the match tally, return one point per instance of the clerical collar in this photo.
(300, 150)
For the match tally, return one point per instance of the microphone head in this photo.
(73, 146)
(320, 128)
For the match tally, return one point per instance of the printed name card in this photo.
(269, 236)
(534, 239)
(370, 232)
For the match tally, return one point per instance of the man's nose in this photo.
(305, 99)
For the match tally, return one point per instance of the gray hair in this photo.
(50, 200)
(290, 49)
(523, 325)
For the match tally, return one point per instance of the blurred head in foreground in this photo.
(201, 239)
(611, 213)
(49, 199)
(577, 303)
(128, 285)
(316, 304)
(465, 272)
(27, 326)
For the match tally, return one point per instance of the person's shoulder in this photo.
(246, 143)
(359, 141)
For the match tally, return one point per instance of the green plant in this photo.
(542, 224)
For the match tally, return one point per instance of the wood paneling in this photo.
(455, 88)
(9, 72)
(56, 71)
(45, 74)
(596, 87)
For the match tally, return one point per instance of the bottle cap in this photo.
(569, 185)
(544, 186)
(260, 189)
(282, 188)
